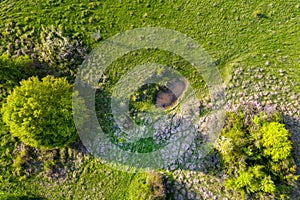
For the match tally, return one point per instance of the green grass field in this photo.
(253, 43)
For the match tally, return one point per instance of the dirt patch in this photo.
(168, 95)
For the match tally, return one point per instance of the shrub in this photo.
(40, 112)
(258, 14)
(147, 186)
(156, 182)
(256, 152)
(20, 161)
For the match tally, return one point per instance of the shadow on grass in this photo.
(293, 125)
(209, 164)
(22, 197)
(188, 161)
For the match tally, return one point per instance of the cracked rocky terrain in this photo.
(268, 89)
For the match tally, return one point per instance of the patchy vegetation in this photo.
(255, 46)
(256, 151)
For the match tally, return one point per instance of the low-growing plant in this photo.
(148, 186)
(19, 161)
(258, 14)
(60, 51)
(256, 152)
(156, 182)
(48, 165)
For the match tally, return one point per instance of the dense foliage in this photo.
(40, 112)
(256, 151)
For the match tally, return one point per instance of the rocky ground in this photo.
(268, 89)
(197, 173)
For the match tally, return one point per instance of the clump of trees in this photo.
(256, 152)
(39, 112)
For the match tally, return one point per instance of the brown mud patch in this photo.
(168, 95)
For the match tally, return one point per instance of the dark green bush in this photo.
(256, 152)
(40, 112)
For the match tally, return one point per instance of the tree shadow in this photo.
(23, 197)
(293, 126)
(187, 183)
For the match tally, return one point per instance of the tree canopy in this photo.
(40, 112)
(256, 151)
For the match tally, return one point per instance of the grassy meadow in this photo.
(255, 45)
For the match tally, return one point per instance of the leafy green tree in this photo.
(40, 112)
(256, 151)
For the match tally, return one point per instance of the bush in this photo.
(40, 112)
(156, 182)
(257, 155)
(148, 186)
(19, 162)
